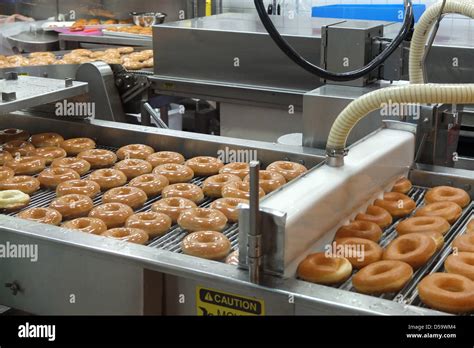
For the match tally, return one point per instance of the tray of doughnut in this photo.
(128, 57)
(413, 245)
(82, 24)
(130, 31)
(134, 193)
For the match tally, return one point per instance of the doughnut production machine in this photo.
(349, 167)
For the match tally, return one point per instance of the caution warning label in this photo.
(211, 302)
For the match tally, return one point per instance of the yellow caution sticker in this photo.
(210, 302)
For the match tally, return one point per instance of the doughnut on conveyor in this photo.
(113, 277)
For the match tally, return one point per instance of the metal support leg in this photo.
(255, 236)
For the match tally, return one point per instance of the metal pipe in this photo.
(254, 253)
(156, 117)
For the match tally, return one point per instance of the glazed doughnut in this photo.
(79, 165)
(165, 157)
(423, 224)
(414, 248)
(397, 204)
(6, 173)
(461, 263)
(133, 197)
(152, 184)
(16, 147)
(155, 224)
(52, 177)
(134, 167)
(23, 183)
(289, 170)
(382, 277)
(108, 178)
(82, 51)
(131, 235)
(447, 210)
(269, 181)
(228, 206)
(175, 173)
(189, 191)
(452, 293)
(42, 215)
(46, 140)
(29, 165)
(4, 157)
(448, 194)
(360, 229)
(241, 169)
(113, 214)
(209, 245)
(213, 185)
(132, 64)
(86, 225)
(376, 215)
(470, 227)
(438, 238)
(205, 165)
(42, 54)
(12, 200)
(322, 269)
(98, 158)
(360, 252)
(402, 185)
(233, 258)
(149, 63)
(125, 50)
(464, 243)
(10, 134)
(72, 206)
(87, 188)
(48, 153)
(239, 190)
(135, 151)
(202, 219)
(173, 207)
(75, 146)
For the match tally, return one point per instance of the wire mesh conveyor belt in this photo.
(409, 294)
(170, 241)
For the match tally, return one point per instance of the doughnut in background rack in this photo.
(170, 241)
(409, 294)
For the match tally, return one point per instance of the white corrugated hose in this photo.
(423, 29)
(417, 93)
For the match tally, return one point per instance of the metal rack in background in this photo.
(409, 294)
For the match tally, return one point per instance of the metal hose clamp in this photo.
(335, 157)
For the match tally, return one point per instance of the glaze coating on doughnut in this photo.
(290, 170)
(135, 151)
(175, 173)
(447, 210)
(233, 258)
(113, 214)
(108, 178)
(42, 215)
(241, 169)
(202, 219)
(52, 177)
(447, 292)
(88, 188)
(72, 206)
(448, 194)
(423, 224)
(23, 183)
(10, 134)
(360, 229)
(98, 158)
(414, 248)
(360, 252)
(269, 181)
(131, 235)
(4, 157)
(213, 185)
(402, 185)
(131, 196)
(155, 224)
(29, 165)
(151, 184)
(228, 206)
(48, 153)
(322, 269)
(382, 277)
(134, 167)
(86, 225)
(397, 204)
(79, 165)
(376, 215)
(205, 165)
(46, 140)
(239, 190)
(165, 157)
(183, 190)
(173, 207)
(18, 147)
(75, 146)
(6, 173)
(209, 245)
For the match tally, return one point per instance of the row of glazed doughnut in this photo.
(389, 270)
